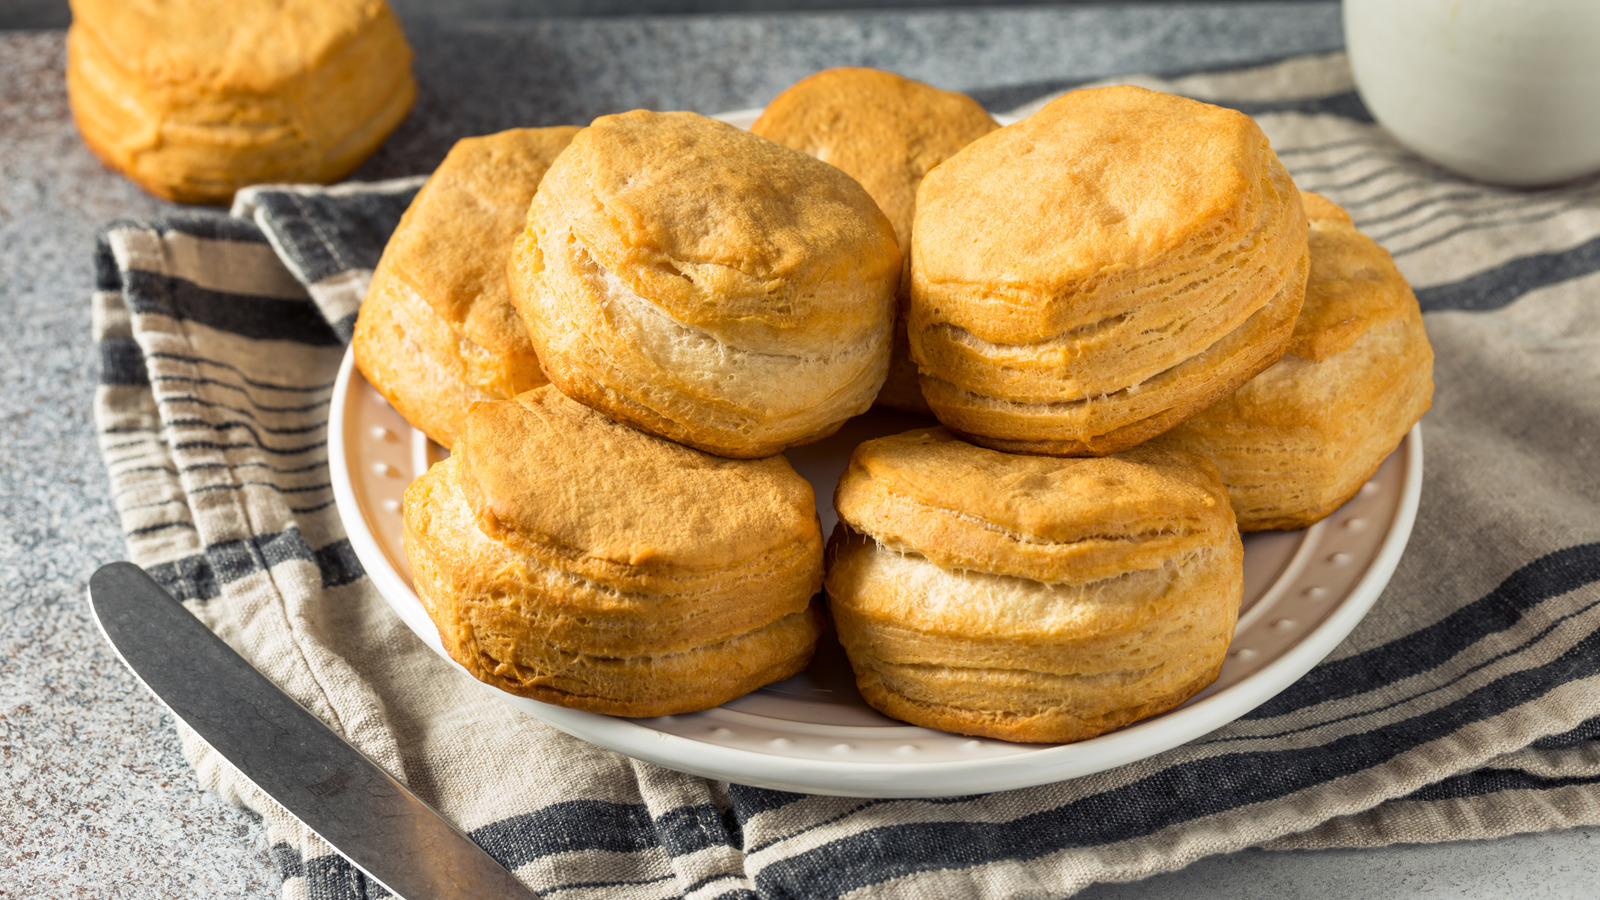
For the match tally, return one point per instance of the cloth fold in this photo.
(1466, 705)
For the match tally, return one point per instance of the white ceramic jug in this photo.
(1506, 91)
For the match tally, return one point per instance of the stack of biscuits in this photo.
(628, 539)
(1137, 337)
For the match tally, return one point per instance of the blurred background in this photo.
(55, 13)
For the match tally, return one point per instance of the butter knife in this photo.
(370, 818)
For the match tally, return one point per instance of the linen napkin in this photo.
(1466, 705)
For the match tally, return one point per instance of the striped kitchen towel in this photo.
(1467, 705)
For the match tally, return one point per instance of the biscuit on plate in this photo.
(1031, 598)
(887, 132)
(707, 285)
(1301, 438)
(1085, 279)
(437, 331)
(580, 562)
(194, 100)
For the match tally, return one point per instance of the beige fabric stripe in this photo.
(144, 482)
(1582, 761)
(340, 297)
(234, 267)
(1461, 819)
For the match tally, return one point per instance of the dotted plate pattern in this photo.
(1304, 592)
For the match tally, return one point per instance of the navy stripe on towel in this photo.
(201, 577)
(122, 363)
(107, 277)
(1346, 105)
(567, 827)
(690, 829)
(330, 235)
(1493, 781)
(259, 318)
(1502, 285)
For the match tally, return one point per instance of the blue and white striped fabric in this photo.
(1467, 705)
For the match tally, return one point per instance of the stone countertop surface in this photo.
(96, 799)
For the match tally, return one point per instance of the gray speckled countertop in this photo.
(95, 798)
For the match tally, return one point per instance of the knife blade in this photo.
(349, 801)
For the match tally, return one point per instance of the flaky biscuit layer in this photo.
(1094, 274)
(437, 330)
(1101, 424)
(571, 559)
(404, 352)
(1011, 658)
(192, 110)
(966, 507)
(707, 285)
(1298, 440)
(1031, 598)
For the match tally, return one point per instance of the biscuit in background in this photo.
(887, 132)
(1298, 440)
(580, 562)
(1085, 279)
(437, 331)
(1031, 598)
(193, 100)
(707, 285)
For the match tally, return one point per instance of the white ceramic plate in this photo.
(1303, 592)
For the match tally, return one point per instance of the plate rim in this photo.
(900, 779)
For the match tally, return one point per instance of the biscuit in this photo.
(193, 101)
(886, 132)
(1089, 277)
(437, 331)
(1031, 598)
(707, 285)
(1298, 440)
(570, 559)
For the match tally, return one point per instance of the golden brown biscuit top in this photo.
(715, 224)
(1098, 182)
(1354, 285)
(452, 244)
(561, 478)
(252, 46)
(1044, 518)
(884, 130)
